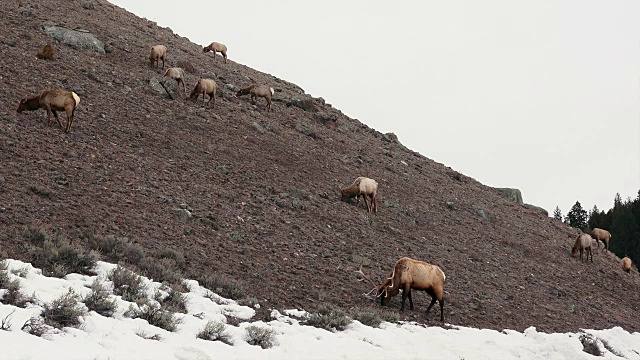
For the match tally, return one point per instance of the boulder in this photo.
(512, 194)
(77, 39)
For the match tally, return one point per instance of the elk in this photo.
(258, 90)
(158, 52)
(362, 187)
(216, 47)
(204, 86)
(583, 243)
(626, 264)
(601, 235)
(53, 100)
(176, 74)
(409, 274)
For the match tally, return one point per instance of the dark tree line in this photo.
(622, 221)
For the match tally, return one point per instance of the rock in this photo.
(512, 194)
(78, 40)
(184, 214)
(164, 86)
(230, 87)
(325, 117)
(87, 4)
(209, 75)
(537, 209)
(450, 205)
(257, 127)
(393, 138)
(482, 213)
(304, 104)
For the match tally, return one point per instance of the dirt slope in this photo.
(262, 186)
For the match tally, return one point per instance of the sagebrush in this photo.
(215, 331)
(64, 311)
(100, 300)
(260, 336)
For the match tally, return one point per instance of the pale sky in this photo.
(543, 96)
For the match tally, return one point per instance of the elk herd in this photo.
(406, 275)
(54, 100)
(585, 243)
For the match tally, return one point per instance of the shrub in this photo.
(98, 300)
(116, 249)
(259, 336)
(175, 301)
(154, 315)
(328, 317)
(4, 275)
(162, 270)
(22, 272)
(249, 301)
(374, 317)
(223, 286)
(56, 256)
(390, 316)
(366, 317)
(128, 285)
(15, 297)
(35, 326)
(144, 335)
(590, 345)
(5, 323)
(176, 256)
(63, 311)
(215, 331)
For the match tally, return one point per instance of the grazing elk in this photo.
(258, 90)
(216, 47)
(583, 243)
(411, 274)
(176, 74)
(204, 86)
(53, 100)
(362, 187)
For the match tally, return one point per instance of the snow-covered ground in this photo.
(120, 337)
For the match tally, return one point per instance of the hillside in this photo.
(262, 187)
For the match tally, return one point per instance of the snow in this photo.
(118, 337)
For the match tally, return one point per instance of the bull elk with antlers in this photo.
(411, 274)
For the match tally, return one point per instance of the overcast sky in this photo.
(538, 95)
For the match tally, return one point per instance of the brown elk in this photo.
(204, 86)
(176, 74)
(362, 187)
(216, 47)
(626, 264)
(583, 243)
(53, 100)
(157, 52)
(258, 90)
(601, 235)
(411, 274)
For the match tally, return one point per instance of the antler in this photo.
(364, 276)
(375, 287)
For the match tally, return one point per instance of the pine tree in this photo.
(577, 216)
(617, 201)
(557, 214)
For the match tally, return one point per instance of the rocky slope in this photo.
(261, 186)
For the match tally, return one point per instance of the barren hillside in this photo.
(261, 186)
